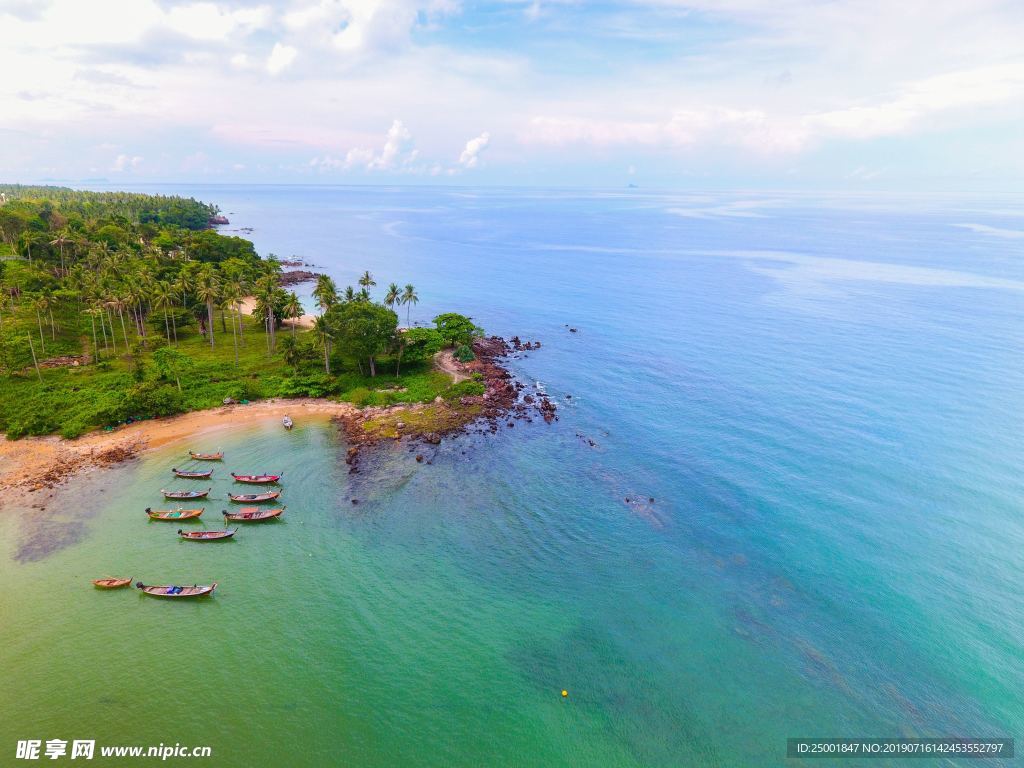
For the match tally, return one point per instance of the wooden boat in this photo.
(242, 498)
(185, 494)
(173, 590)
(173, 514)
(252, 514)
(207, 456)
(288, 423)
(190, 475)
(207, 535)
(111, 583)
(256, 479)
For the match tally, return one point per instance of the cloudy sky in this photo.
(854, 94)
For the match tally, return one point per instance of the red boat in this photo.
(256, 479)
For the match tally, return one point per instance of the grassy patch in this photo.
(434, 417)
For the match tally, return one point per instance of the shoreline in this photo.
(39, 466)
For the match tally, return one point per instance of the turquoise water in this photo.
(822, 396)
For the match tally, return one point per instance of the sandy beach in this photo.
(36, 465)
(303, 321)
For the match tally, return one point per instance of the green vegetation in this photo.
(117, 307)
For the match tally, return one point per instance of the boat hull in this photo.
(168, 590)
(207, 535)
(111, 583)
(253, 515)
(206, 456)
(256, 479)
(254, 498)
(174, 514)
(186, 495)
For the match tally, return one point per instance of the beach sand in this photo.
(37, 465)
(303, 321)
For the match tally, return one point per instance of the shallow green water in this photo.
(325, 641)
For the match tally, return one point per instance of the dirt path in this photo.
(445, 361)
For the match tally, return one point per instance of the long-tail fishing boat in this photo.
(252, 514)
(185, 494)
(251, 498)
(207, 535)
(188, 474)
(207, 456)
(173, 590)
(174, 514)
(112, 583)
(256, 479)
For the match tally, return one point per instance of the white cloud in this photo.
(281, 57)
(470, 156)
(398, 154)
(125, 163)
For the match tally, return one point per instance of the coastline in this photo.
(38, 466)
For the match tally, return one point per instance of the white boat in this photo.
(287, 421)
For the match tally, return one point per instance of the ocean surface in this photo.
(814, 405)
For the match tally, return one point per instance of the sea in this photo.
(783, 499)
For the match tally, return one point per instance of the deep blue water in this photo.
(823, 396)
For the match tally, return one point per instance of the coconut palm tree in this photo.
(61, 240)
(207, 287)
(367, 280)
(322, 334)
(163, 297)
(325, 293)
(293, 310)
(393, 296)
(349, 295)
(266, 297)
(409, 296)
(41, 305)
(230, 298)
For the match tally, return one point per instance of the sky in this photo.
(802, 94)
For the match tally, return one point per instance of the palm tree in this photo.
(293, 310)
(409, 297)
(367, 281)
(230, 298)
(325, 293)
(322, 334)
(266, 297)
(349, 295)
(290, 351)
(207, 286)
(41, 305)
(61, 240)
(163, 298)
(92, 312)
(393, 296)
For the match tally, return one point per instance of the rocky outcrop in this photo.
(296, 276)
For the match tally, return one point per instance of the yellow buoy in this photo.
(565, 693)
